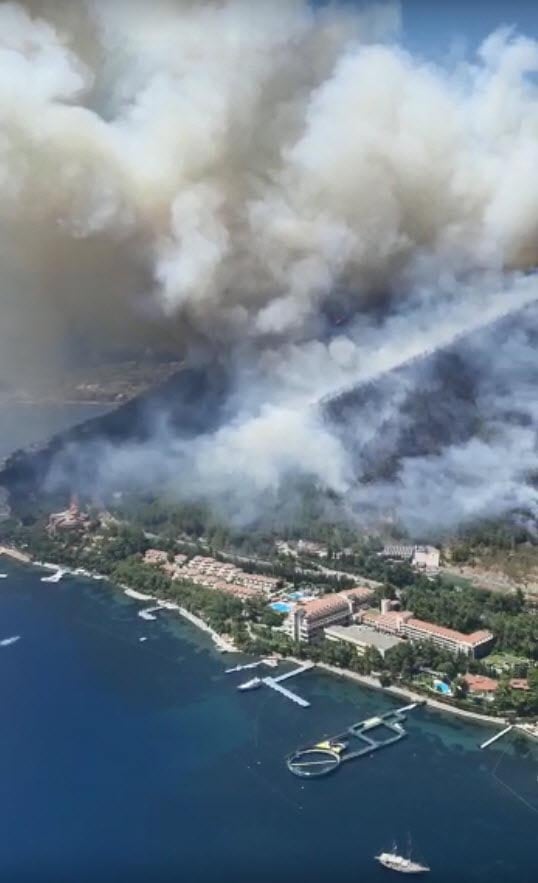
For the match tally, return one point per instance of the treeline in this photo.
(467, 609)
(490, 536)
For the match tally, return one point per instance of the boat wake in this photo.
(6, 642)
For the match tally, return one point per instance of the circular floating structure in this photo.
(310, 763)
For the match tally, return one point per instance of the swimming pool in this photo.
(441, 687)
(281, 607)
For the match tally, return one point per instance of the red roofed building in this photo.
(479, 685)
(392, 623)
(403, 623)
(475, 645)
(307, 620)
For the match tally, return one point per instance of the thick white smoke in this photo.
(236, 175)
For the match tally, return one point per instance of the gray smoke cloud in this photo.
(292, 191)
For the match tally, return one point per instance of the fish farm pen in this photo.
(359, 739)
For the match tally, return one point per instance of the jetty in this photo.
(494, 738)
(296, 671)
(148, 612)
(269, 661)
(275, 683)
(360, 739)
(55, 577)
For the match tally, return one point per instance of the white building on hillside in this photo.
(426, 557)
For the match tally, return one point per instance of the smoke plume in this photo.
(290, 194)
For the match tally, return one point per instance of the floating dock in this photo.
(494, 738)
(325, 757)
(296, 671)
(276, 683)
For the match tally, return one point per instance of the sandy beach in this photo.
(15, 554)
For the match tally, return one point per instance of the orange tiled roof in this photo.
(450, 634)
(480, 684)
(324, 606)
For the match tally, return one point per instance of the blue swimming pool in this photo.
(441, 687)
(281, 607)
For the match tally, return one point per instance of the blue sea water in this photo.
(123, 760)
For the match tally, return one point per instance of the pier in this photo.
(269, 661)
(358, 740)
(275, 683)
(296, 671)
(148, 612)
(494, 738)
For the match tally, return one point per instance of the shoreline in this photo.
(221, 643)
(406, 693)
(16, 555)
(225, 646)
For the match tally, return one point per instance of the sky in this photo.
(438, 27)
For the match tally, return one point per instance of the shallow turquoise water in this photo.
(123, 760)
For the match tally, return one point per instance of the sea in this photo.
(131, 760)
(125, 760)
(27, 424)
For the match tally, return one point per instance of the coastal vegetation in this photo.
(115, 547)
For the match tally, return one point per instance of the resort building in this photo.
(426, 558)
(156, 557)
(391, 622)
(206, 571)
(258, 581)
(398, 551)
(70, 519)
(241, 592)
(308, 619)
(476, 644)
(402, 623)
(301, 547)
(422, 557)
(358, 596)
(362, 637)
